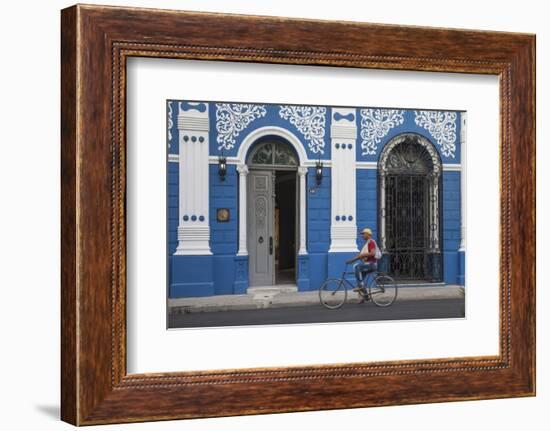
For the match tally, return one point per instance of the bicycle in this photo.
(381, 288)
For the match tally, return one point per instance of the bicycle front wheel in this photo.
(383, 290)
(333, 293)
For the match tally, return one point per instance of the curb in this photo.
(307, 299)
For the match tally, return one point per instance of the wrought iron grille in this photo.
(273, 154)
(410, 216)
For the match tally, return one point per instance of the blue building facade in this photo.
(276, 195)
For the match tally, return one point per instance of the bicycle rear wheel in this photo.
(333, 293)
(383, 290)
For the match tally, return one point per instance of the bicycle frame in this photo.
(343, 284)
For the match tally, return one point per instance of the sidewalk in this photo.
(271, 297)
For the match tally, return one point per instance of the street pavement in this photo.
(447, 307)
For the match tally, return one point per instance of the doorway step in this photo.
(270, 291)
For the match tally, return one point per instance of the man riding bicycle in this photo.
(368, 257)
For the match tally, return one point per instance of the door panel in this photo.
(261, 228)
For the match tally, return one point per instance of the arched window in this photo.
(273, 155)
(409, 184)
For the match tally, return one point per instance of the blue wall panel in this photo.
(224, 274)
(224, 236)
(366, 203)
(173, 206)
(192, 276)
(172, 193)
(304, 270)
(451, 226)
(336, 264)
(318, 212)
(240, 284)
(224, 194)
(318, 226)
(460, 278)
(318, 270)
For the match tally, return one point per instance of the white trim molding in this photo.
(253, 136)
(456, 167)
(343, 225)
(213, 160)
(242, 169)
(193, 217)
(302, 171)
(463, 129)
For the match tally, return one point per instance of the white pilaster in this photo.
(462, 181)
(193, 227)
(343, 134)
(243, 172)
(302, 171)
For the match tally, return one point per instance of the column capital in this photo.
(302, 171)
(343, 123)
(242, 170)
(193, 116)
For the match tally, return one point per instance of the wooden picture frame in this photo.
(95, 43)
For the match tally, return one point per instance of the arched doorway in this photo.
(272, 212)
(409, 185)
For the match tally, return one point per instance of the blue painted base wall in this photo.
(460, 278)
(337, 265)
(318, 273)
(192, 276)
(241, 275)
(224, 274)
(451, 226)
(450, 260)
(302, 281)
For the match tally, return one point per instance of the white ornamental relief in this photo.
(310, 121)
(170, 123)
(442, 126)
(375, 124)
(232, 119)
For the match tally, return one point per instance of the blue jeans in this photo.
(363, 268)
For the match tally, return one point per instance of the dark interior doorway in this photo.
(285, 227)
